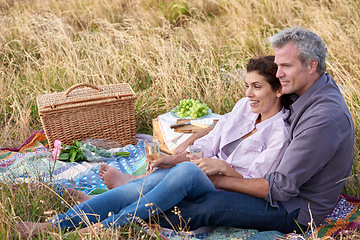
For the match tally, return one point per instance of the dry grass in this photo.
(40, 202)
(166, 50)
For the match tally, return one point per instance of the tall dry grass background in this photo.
(166, 50)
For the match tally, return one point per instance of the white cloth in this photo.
(171, 138)
(257, 154)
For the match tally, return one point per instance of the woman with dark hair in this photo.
(248, 142)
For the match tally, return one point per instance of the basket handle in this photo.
(81, 85)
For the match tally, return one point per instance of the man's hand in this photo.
(257, 187)
(216, 180)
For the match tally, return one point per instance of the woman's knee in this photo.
(187, 173)
(186, 169)
(157, 176)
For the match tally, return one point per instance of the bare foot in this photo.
(113, 177)
(77, 195)
(28, 229)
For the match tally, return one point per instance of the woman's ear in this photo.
(279, 92)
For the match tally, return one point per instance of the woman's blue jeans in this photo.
(143, 197)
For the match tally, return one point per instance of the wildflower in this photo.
(176, 211)
(49, 212)
(58, 146)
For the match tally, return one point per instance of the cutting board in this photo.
(188, 128)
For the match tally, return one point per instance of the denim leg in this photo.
(184, 180)
(101, 206)
(233, 210)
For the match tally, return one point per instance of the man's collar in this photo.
(300, 100)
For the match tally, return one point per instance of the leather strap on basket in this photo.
(81, 85)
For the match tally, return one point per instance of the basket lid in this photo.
(85, 94)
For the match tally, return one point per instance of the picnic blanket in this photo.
(33, 159)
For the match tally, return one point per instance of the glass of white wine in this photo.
(152, 150)
(197, 151)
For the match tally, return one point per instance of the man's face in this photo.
(294, 77)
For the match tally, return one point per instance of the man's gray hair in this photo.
(310, 45)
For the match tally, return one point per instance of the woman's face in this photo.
(263, 99)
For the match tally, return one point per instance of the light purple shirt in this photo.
(257, 154)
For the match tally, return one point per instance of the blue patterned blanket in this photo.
(38, 164)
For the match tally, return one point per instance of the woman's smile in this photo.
(253, 103)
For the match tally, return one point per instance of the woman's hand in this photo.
(190, 141)
(209, 166)
(212, 166)
(166, 161)
(181, 148)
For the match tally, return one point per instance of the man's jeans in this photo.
(233, 210)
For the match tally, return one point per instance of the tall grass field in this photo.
(167, 50)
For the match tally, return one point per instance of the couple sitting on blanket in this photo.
(267, 165)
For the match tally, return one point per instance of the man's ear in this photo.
(312, 66)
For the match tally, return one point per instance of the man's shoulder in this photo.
(329, 108)
(323, 103)
(327, 100)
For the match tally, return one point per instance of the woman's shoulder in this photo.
(282, 121)
(278, 124)
(242, 101)
(242, 105)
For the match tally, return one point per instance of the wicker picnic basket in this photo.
(87, 111)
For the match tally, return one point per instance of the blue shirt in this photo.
(319, 157)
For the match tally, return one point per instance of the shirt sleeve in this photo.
(268, 160)
(315, 140)
(211, 141)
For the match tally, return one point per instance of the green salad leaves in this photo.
(85, 152)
